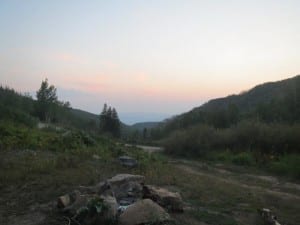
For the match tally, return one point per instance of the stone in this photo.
(66, 200)
(144, 212)
(165, 198)
(130, 190)
(126, 186)
(97, 157)
(63, 201)
(127, 161)
(121, 179)
(99, 188)
(268, 217)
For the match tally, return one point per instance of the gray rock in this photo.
(99, 188)
(165, 198)
(268, 217)
(97, 157)
(130, 190)
(127, 187)
(127, 161)
(121, 179)
(144, 212)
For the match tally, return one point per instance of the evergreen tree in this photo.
(109, 121)
(46, 101)
(145, 133)
(116, 125)
(103, 118)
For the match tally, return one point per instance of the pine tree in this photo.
(116, 123)
(109, 121)
(46, 100)
(103, 118)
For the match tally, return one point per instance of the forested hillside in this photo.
(257, 126)
(20, 108)
(269, 102)
(23, 110)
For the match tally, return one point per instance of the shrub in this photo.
(288, 164)
(243, 159)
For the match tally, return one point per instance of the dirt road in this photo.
(244, 190)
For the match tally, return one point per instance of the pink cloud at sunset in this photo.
(68, 58)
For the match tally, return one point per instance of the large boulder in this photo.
(131, 190)
(165, 198)
(144, 212)
(126, 186)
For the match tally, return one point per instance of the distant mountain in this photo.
(131, 118)
(142, 126)
(88, 117)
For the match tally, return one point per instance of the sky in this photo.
(148, 59)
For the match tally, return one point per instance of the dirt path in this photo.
(274, 187)
(146, 148)
(260, 183)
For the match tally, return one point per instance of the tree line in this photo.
(109, 121)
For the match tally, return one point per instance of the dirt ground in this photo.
(214, 194)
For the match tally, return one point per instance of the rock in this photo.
(73, 202)
(126, 186)
(68, 199)
(169, 200)
(97, 157)
(99, 188)
(131, 190)
(127, 161)
(121, 179)
(268, 217)
(144, 212)
(63, 201)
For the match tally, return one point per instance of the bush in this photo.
(243, 159)
(288, 164)
(266, 139)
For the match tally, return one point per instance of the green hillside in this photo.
(271, 102)
(261, 94)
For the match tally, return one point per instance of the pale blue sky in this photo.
(147, 56)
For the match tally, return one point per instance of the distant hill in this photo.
(131, 118)
(262, 93)
(90, 116)
(272, 101)
(142, 126)
(84, 114)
